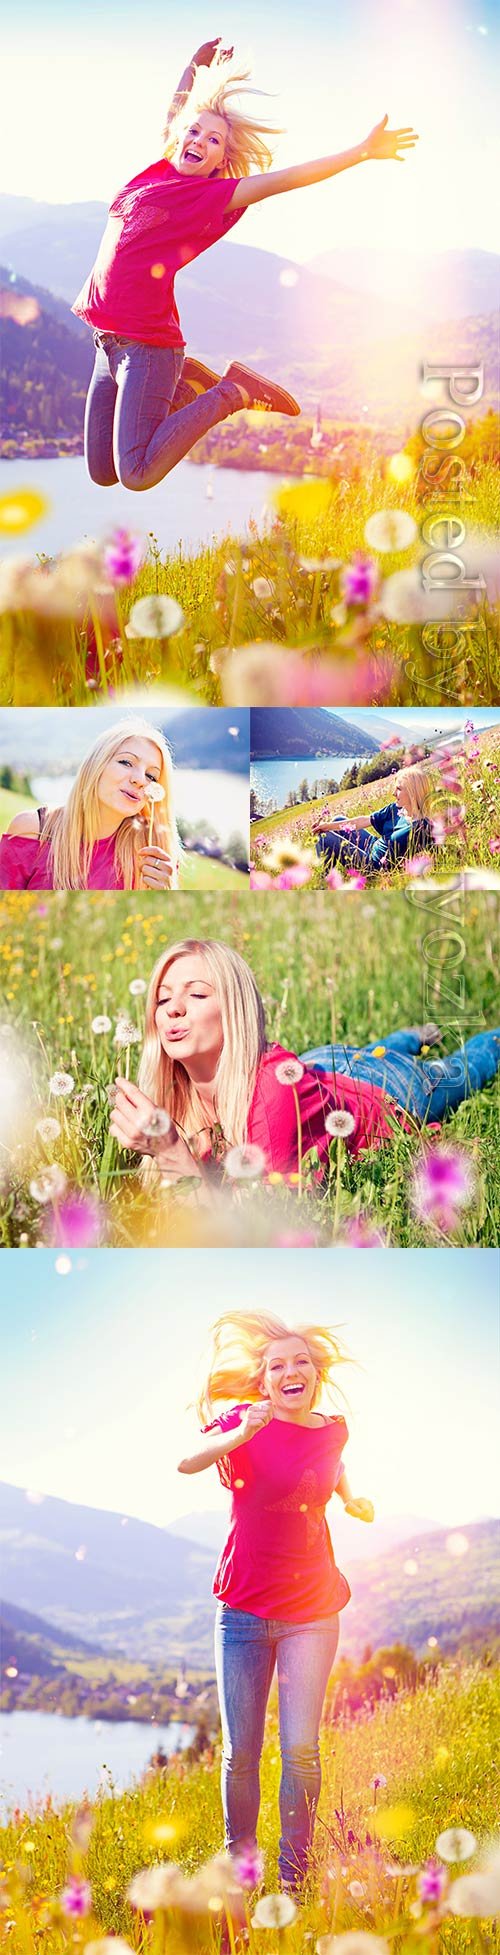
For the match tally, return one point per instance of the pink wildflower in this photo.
(259, 879)
(494, 844)
(76, 1898)
(418, 865)
(248, 1865)
(78, 1222)
(444, 1184)
(122, 557)
(359, 581)
(334, 879)
(432, 1882)
(293, 878)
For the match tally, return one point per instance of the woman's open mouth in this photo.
(292, 1391)
(192, 156)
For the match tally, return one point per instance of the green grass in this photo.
(43, 660)
(481, 799)
(12, 804)
(353, 971)
(435, 1747)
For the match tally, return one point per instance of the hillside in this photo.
(279, 733)
(362, 361)
(145, 1592)
(32, 1646)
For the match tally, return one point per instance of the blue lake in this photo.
(70, 1756)
(275, 779)
(179, 510)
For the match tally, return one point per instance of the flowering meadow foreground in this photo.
(75, 972)
(327, 607)
(463, 809)
(406, 1855)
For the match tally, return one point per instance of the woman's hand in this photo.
(255, 1417)
(156, 867)
(206, 54)
(146, 1129)
(361, 1510)
(382, 143)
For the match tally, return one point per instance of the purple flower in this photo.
(78, 1223)
(432, 1882)
(122, 557)
(359, 581)
(444, 1183)
(76, 1898)
(249, 1865)
(359, 1233)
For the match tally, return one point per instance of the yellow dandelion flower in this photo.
(378, 1051)
(393, 1822)
(303, 501)
(20, 509)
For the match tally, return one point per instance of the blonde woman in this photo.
(402, 828)
(210, 1082)
(117, 829)
(146, 406)
(279, 1591)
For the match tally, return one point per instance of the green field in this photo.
(481, 801)
(352, 972)
(435, 1751)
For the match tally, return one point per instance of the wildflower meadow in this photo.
(327, 606)
(463, 810)
(76, 969)
(406, 1852)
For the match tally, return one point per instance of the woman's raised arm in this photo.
(382, 144)
(203, 58)
(214, 1445)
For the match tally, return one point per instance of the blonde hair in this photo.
(72, 831)
(239, 1350)
(167, 1082)
(421, 785)
(213, 90)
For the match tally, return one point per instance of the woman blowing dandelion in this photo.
(278, 1587)
(147, 405)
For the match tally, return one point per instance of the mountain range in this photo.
(360, 359)
(198, 737)
(142, 1591)
(291, 733)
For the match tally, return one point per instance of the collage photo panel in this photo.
(250, 980)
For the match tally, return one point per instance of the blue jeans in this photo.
(130, 435)
(352, 851)
(427, 1090)
(247, 1648)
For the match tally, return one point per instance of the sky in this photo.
(85, 92)
(426, 719)
(101, 1366)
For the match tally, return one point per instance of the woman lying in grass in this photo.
(117, 829)
(146, 406)
(402, 828)
(209, 1082)
(278, 1588)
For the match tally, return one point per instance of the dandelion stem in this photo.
(337, 1186)
(99, 647)
(299, 1138)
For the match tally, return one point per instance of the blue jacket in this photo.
(398, 833)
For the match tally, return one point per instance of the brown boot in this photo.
(195, 379)
(261, 393)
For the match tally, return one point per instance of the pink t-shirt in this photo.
(24, 864)
(272, 1120)
(278, 1559)
(157, 224)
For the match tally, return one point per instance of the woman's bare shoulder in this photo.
(26, 824)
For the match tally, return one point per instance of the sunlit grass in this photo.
(434, 1751)
(352, 971)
